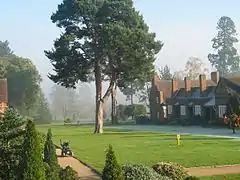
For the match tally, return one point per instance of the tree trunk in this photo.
(131, 98)
(99, 106)
(114, 105)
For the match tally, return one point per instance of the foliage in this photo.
(135, 110)
(171, 170)
(121, 112)
(42, 138)
(43, 113)
(11, 140)
(143, 119)
(192, 178)
(108, 41)
(165, 73)
(136, 172)
(112, 170)
(226, 59)
(32, 166)
(68, 174)
(5, 50)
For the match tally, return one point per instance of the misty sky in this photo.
(186, 27)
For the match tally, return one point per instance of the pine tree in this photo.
(50, 158)
(112, 170)
(11, 140)
(226, 60)
(32, 166)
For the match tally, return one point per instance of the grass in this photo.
(146, 148)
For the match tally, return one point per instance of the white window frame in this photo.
(221, 110)
(197, 110)
(165, 111)
(169, 109)
(183, 110)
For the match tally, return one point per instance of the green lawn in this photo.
(147, 148)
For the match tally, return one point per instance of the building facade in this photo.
(197, 101)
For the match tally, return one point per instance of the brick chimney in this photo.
(188, 86)
(215, 76)
(203, 84)
(174, 86)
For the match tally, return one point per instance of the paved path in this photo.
(190, 130)
(83, 171)
(210, 171)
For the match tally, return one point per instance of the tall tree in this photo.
(226, 59)
(108, 40)
(23, 80)
(32, 166)
(165, 73)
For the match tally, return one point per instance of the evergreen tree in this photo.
(32, 166)
(165, 73)
(68, 174)
(11, 140)
(112, 170)
(50, 158)
(226, 60)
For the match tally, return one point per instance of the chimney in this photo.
(215, 76)
(174, 86)
(203, 84)
(188, 86)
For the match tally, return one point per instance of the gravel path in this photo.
(83, 171)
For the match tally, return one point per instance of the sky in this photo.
(186, 28)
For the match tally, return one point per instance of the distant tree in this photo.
(23, 80)
(112, 170)
(194, 67)
(11, 140)
(32, 166)
(226, 59)
(165, 73)
(106, 42)
(50, 158)
(5, 50)
(178, 75)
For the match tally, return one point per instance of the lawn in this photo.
(221, 177)
(146, 147)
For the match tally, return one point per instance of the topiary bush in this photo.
(192, 178)
(112, 170)
(171, 170)
(137, 172)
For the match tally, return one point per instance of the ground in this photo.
(151, 147)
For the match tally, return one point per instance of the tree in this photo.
(50, 158)
(23, 80)
(32, 166)
(106, 42)
(5, 50)
(112, 170)
(11, 140)
(68, 174)
(226, 59)
(165, 73)
(194, 67)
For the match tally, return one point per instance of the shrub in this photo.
(137, 172)
(67, 121)
(32, 166)
(192, 178)
(171, 170)
(68, 174)
(112, 170)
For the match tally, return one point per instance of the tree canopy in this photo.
(102, 40)
(226, 59)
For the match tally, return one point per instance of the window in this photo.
(197, 110)
(165, 111)
(157, 100)
(169, 109)
(221, 110)
(183, 110)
